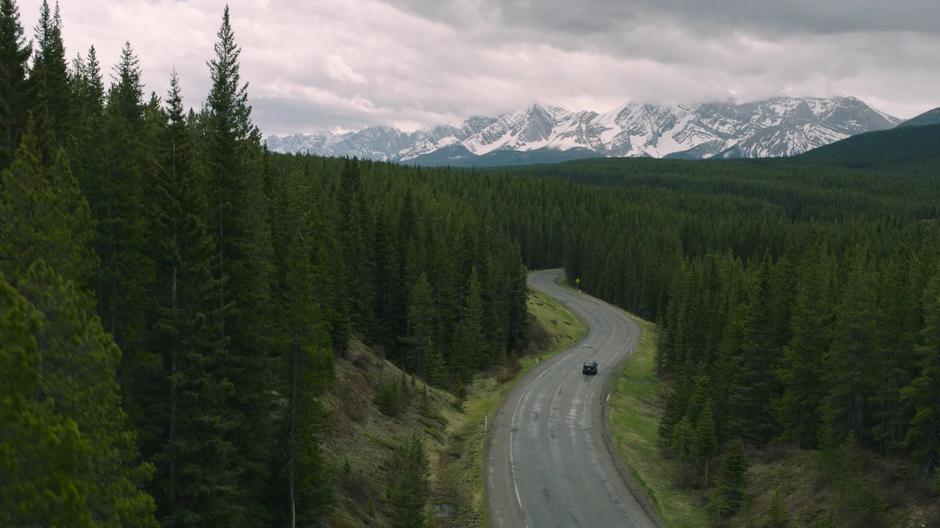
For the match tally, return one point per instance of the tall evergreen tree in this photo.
(751, 391)
(126, 272)
(14, 56)
(194, 452)
(41, 481)
(469, 350)
(846, 404)
(422, 354)
(356, 234)
(731, 491)
(801, 370)
(49, 79)
(88, 146)
(923, 435)
(79, 362)
(239, 224)
(44, 216)
(303, 492)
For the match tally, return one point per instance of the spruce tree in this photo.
(48, 78)
(408, 485)
(44, 216)
(79, 379)
(422, 355)
(846, 407)
(752, 360)
(923, 434)
(357, 236)
(731, 490)
(303, 490)
(801, 369)
(88, 146)
(239, 223)
(470, 350)
(123, 235)
(41, 453)
(682, 446)
(706, 440)
(14, 56)
(194, 453)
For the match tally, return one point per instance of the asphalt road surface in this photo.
(547, 463)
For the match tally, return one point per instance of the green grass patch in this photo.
(634, 411)
(459, 472)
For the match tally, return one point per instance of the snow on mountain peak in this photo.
(780, 126)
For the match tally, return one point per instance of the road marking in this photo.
(512, 426)
(623, 346)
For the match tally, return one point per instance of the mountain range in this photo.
(780, 126)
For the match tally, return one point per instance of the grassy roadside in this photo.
(457, 485)
(634, 411)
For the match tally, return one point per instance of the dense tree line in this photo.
(797, 303)
(172, 295)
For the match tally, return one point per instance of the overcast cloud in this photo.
(317, 65)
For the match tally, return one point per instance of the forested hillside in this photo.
(173, 295)
(798, 304)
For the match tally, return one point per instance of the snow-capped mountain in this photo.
(782, 126)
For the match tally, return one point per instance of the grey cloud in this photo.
(334, 63)
(802, 16)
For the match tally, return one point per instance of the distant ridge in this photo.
(906, 149)
(930, 117)
(781, 126)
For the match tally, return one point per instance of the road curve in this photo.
(547, 463)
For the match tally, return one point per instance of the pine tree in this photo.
(41, 453)
(303, 485)
(239, 212)
(706, 439)
(48, 78)
(44, 216)
(923, 434)
(676, 401)
(356, 233)
(123, 230)
(731, 491)
(79, 362)
(893, 352)
(753, 360)
(682, 446)
(88, 147)
(14, 56)
(422, 355)
(846, 404)
(801, 369)
(470, 351)
(194, 453)
(408, 485)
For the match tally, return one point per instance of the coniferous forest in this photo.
(172, 294)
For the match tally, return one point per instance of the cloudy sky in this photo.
(316, 65)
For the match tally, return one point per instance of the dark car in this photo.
(590, 367)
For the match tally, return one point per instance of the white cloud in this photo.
(320, 65)
(339, 70)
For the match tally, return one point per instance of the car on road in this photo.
(590, 367)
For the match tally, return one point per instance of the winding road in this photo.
(547, 462)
